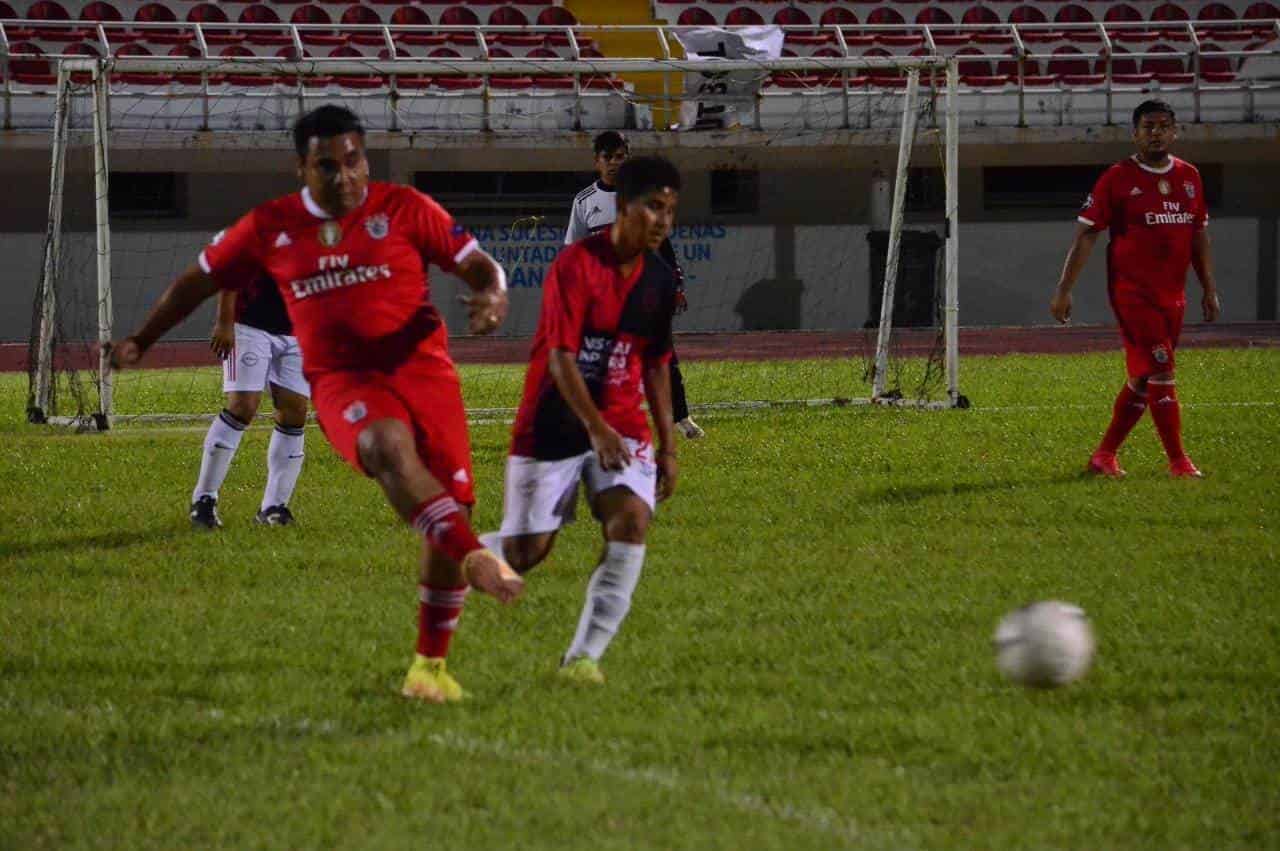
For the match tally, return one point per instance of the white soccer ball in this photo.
(1045, 644)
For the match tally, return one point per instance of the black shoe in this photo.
(275, 515)
(204, 514)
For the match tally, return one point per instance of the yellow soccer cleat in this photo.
(582, 670)
(428, 680)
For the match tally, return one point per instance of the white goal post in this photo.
(90, 81)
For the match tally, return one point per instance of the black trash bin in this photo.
(915, 302)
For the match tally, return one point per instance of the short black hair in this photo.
(639, 176)
(324, 122)
(1147, 107)
(610, 141)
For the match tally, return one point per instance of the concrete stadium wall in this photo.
(740, 277)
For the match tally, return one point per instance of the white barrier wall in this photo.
(739, 277)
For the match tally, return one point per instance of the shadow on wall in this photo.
(775, 304)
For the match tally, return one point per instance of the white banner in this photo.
(710, 44)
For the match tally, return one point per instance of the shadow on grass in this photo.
(116, 540)
(906, 494)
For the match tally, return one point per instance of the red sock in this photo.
(438, 613)
(1124, 416)
(1162, 397)
(441, 521)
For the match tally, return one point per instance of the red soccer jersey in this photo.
(1152, 214)
(356, 288)
(615, 325)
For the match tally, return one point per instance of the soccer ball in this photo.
(1044, 645)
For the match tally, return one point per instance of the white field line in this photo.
(821, 820)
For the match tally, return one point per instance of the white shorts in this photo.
(541, 496)
(260, 358)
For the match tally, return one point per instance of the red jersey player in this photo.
(1154, 206)
(603, 347)
(350, 257)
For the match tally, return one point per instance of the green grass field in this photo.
(807, 664)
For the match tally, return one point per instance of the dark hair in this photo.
(1147, 107)
(324, 122)
(610, 141)
(639, 176)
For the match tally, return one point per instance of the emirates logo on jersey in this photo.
(330, 234)
(378, 225)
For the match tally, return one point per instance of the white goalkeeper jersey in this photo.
(593, 209)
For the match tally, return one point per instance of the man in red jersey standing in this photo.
(350, 258)
(1154, 206)
(603, 347)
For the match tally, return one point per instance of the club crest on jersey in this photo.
(1190, 189)
(377, 225)
(355, 412)
(1088, 202)
(1164, 187)
(1160, 353)
(330, 234)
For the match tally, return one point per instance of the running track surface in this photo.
(767, 345)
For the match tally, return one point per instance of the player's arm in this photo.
(577, 229)
(1202, 261)
(1077, 256)
(179, 301)
(657, 391)
(668, 253)
(487, 304)
(607, 443)
(223, 338)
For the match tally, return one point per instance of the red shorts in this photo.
(427, 397)
(1150, 330)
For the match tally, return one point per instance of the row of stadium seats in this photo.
(103, 11)
(1166, 17)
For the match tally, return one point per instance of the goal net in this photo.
(854, 310)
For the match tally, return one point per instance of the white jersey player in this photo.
(254, 338)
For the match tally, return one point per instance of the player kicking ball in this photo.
(1154, 206)
(602, 348)
(349, 257)
(254, 339)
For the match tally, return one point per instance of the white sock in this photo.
(220, 445)
(284, 463)
(608, 600)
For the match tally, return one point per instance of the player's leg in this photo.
(538, 498)
(624, 503)
(680, 404)
(290, 394)
(244, 375)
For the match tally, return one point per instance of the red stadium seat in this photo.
(459, 16)
(1027, 15)
(696, 17)
(933, 16)
(1261, 11)
(885, 16)
(980, 15)
(413, 16)
(7, 13)
(312, 14)
(1120, 64)
(260, 14)
(973, 67)
(1009, 67)
(363, 16)
(1073, 14)
(556, 16)
(208, 13)
(33, 70)
(1216, 12)
(51, 10)
(139, 78)
(508, 16)
(1074, 67)
(838, 16)
(1170, 12)
(743, 17)
(1172, 65)
(99, 11)
(1216, 65)
(1122, 12)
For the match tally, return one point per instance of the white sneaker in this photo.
(690, 429)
